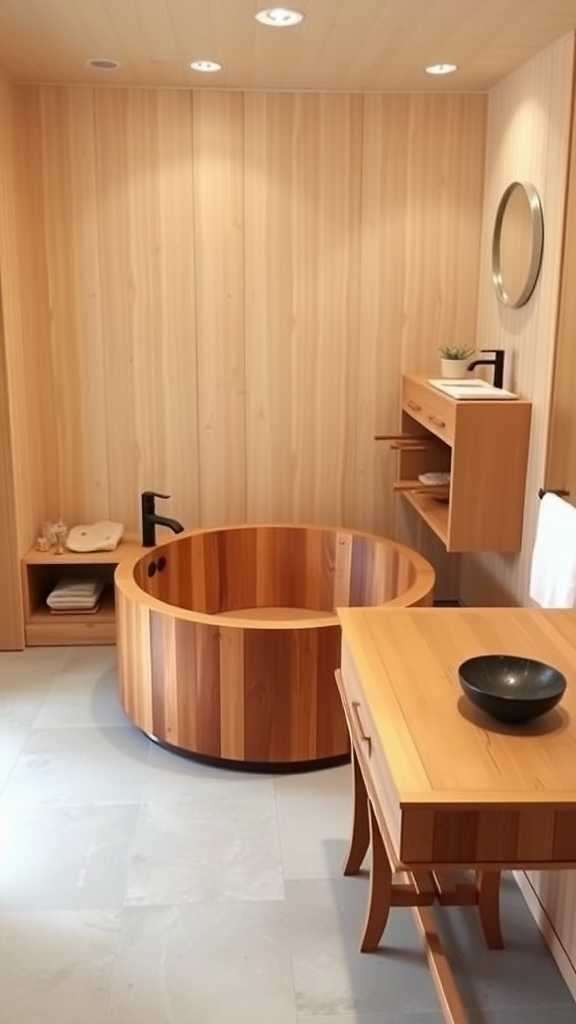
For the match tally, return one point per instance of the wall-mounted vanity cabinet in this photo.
(483, 445)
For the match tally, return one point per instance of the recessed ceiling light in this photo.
(279, 17)
(103, 63)
(441, 69)
(205, 65)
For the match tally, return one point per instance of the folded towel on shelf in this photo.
(553, 571)
(434, 479)
(71, 594)
(72, 602)
(74, 611)
(85, 587)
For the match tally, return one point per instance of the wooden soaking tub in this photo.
(228, 639)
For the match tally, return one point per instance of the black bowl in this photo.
(509, 688)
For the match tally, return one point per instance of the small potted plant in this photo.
(454, 361)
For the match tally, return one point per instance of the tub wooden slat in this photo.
(331, 730)
(159, 659)
(199, 648)
(232, 701)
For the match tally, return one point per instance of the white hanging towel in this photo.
(553, 575)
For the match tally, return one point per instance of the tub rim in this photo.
(124, 581)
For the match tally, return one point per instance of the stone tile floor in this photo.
(137, 887)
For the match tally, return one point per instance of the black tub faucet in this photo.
(497, 363)
(150, 520)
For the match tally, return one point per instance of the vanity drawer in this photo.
(433, 410)
(364, 737)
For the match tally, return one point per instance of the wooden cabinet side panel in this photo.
(488, 477)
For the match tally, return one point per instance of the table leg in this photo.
(380, 898)
(360, 838)
(488, 886)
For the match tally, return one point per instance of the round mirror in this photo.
(517, 244)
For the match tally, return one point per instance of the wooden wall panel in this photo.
(75, 352)
(11, 621)
(157, 188)
(121, 286)
(26, 319)
(423, 166)
(303, 190)
(219, 232)
(527, 140)
(561, 449)
(236, 282)
(122, 281)
(27, 448)
(124, 297)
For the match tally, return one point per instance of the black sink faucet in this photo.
(150, 520)
(497, 363)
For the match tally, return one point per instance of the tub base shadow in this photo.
(267, 768)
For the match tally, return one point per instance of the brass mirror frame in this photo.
(537, 218)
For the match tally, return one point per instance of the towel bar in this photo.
(550, 490)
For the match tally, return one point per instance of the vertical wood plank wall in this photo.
(26, 403)
(26, 312)
(561, 447)
(233, 285)
(528, 130)
(11, 625)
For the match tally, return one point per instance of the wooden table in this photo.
(440, 786)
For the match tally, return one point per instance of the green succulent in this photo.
(454, 352)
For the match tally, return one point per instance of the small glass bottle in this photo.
(60, 531)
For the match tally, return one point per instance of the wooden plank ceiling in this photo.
(380, 45)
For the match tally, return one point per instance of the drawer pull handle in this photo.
(403, 438)
(363, 734)
(413, 405)
(437, 421)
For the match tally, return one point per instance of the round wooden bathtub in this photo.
(228, 639)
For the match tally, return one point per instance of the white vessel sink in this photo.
(471, 389)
